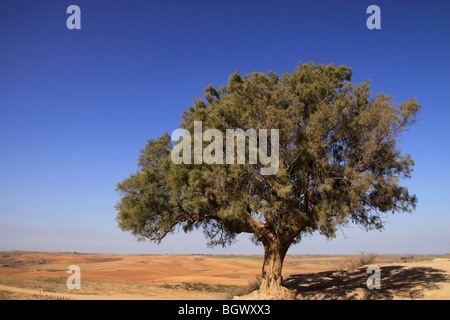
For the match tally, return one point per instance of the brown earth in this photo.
(40, 275)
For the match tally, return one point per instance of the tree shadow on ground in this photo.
(396, 282)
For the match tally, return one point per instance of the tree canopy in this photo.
(338, 164)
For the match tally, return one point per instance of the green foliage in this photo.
(339, 163)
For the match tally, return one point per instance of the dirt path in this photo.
(155, 294)
(67, 296)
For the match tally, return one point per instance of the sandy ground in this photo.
(38, 275)
(424, 280)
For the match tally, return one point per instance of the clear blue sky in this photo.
(76, 106)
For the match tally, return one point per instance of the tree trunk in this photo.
(271, 287)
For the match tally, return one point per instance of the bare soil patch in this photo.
(41, 275)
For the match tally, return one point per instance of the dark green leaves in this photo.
(338, 162)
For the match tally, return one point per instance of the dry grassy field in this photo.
(42, 275)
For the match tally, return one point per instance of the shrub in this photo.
(244, 290)
(361, 260)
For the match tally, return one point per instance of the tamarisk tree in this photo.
(338, 164)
